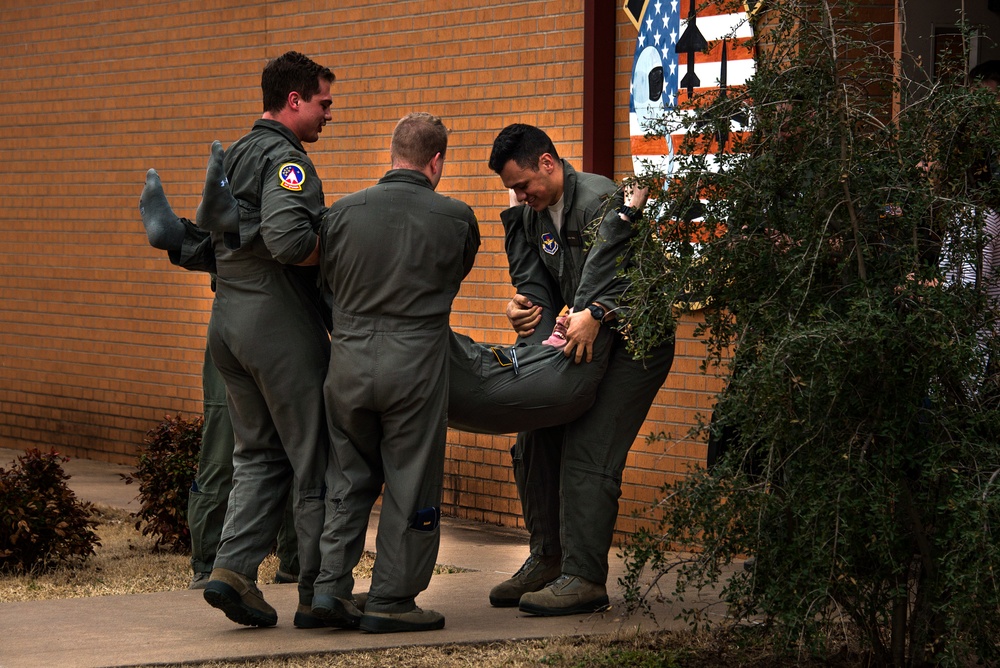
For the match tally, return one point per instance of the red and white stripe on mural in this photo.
(684, 48)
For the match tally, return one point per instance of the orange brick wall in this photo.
(100, 336)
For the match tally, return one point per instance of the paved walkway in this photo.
(179, 627)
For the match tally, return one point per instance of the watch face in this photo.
(596, 311)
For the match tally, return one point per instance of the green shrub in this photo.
(167, 466)
(862, 387)
(42, 523)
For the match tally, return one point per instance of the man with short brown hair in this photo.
(269, 338)
(393, 257)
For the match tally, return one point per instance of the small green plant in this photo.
(42, 523)
(167, 465)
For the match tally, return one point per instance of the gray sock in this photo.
(218, 211)
(164, 229)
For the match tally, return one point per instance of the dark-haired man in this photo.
(269, 338)
(566, 242)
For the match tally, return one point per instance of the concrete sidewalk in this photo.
(179, 627)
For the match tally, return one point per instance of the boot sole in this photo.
(504, 602)
(222, 596)
(597, 605)
(373, 624)
(304, 620)
(335, 614)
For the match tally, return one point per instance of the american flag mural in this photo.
(684, 48)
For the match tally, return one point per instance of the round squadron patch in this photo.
(292, 176)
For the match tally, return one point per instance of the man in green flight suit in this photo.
(393, 257)
(493, 389)
(566, 243)
(269, 338)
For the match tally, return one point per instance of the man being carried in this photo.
(493, 389)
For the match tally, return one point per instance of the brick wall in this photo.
(100, 336)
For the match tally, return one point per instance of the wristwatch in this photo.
(597, 311)
(630, 212)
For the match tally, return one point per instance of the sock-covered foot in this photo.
(163, 228)
(557, 339)
(218, 211)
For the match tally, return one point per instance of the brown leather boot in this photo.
(532, 576)
(237, 596)
(568, 595)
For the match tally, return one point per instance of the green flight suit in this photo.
(269, 339)
(488, 392)
(393, 256)
(569, 477)
(502, 389)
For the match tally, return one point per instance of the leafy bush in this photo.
(862, 388)
(167, 465)
(42, 523)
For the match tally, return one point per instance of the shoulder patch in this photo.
(291, 176)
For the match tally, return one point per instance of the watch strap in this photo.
(597, 312)
(632, 213)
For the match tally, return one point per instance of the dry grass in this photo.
(126, 563)
(639, 650)
(576, 652)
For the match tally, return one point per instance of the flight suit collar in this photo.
(283, 130)
(572, 257)
(406, 176)
(569, 186)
